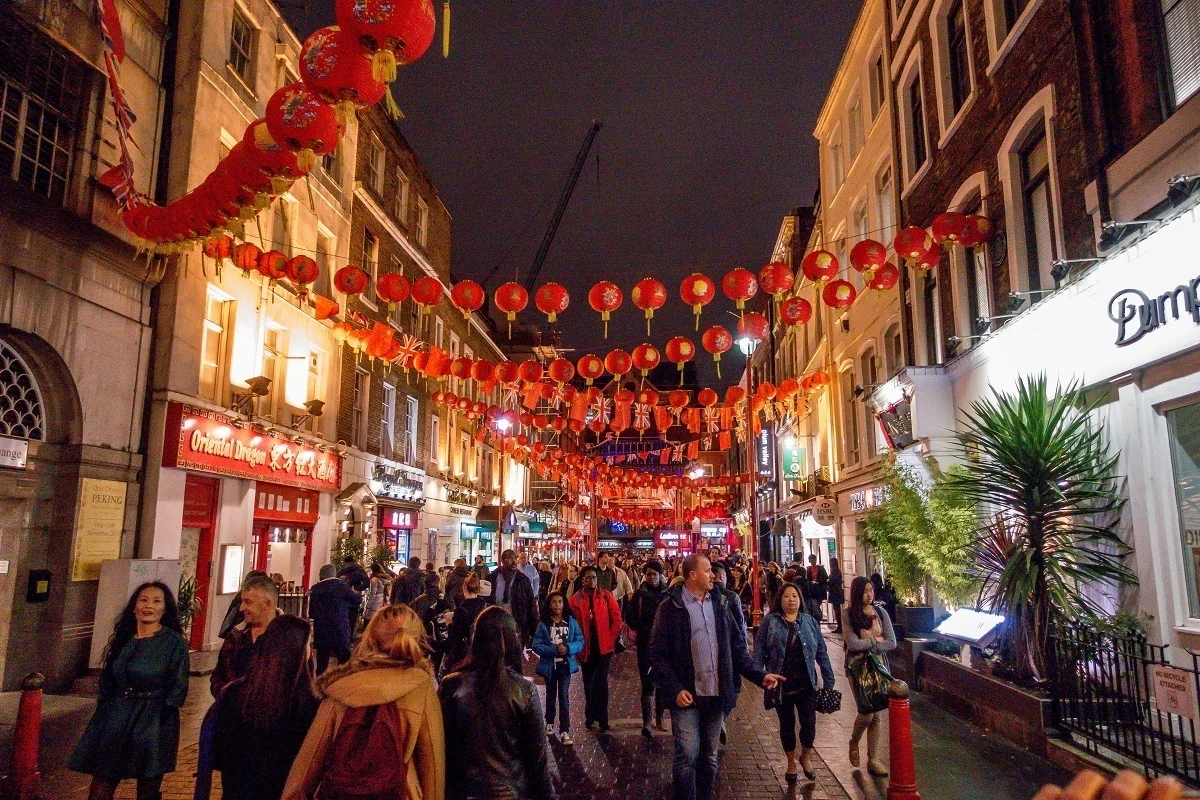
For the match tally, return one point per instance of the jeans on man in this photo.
(558, 687)
(697, 731)
(595, 689)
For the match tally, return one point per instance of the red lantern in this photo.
(323, 307)
(426, 292)
(392, 288)
(776, 278)
(739, 286)
(680, 350)
(678, 399)
(717, 340)
(530, 371)
(948, 227)
(396, 32)
(605, 297)
(649, 295)
(868, 255)
(618, 362)
(507, 372)
(299, 119)
(218, 247)
(350, 280)
(753, 326)
(332, 67)
(551, 299)
(646, 358)
(885, 277)
(928, 259)
(245, 255)
(301, 271)
(976, 231)
(707, 398)
(697, 290)
(482, 370)
(467, 296)
(788, 387)
(590, 367)
(795, 311)
(461, 368)
(912, 242)
(839, 294)
(561, 370)
(648, 397)
(765, 389)
(273, 265)
(734, 395)
(511, 298)
(820, 266)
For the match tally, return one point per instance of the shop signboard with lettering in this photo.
(764, 448)
(205, 441)
(13, 452)
(98, 530)
(793, 460)
(824, 511)
(1175, 691)
(673, 540)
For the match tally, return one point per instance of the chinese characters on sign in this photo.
(866, 499)
(793, 460)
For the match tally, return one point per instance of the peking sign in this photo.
(205, 441)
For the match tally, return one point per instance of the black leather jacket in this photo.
(494, 749)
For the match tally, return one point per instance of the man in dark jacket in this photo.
(411, 583)
(513, 592)
(454, 580)
(698, 653)
(330, 604)
(480, 568)
(643, 607)
(259, 598)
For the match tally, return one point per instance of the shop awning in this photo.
(356, 493)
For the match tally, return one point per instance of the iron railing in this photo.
(1103, 689)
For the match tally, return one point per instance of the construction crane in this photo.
(544, 249)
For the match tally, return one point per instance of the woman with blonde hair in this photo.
(379, 724)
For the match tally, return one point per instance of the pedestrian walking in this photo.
(454, 580)
(480, 568)
(868, 630)
(600, 618)
(512, 591)
(378, 732)
(260, 598)
(330, 603)
(789, 643)
(134, 732)
(233, 615)
(458, 644)
(436, 612)
(642, 609)
(380, 588)
(530, 570)
(558, 641)
(697, 652)
(262, 719)
(837, 593)
(495, 733)
(410, 584)
(819, 577)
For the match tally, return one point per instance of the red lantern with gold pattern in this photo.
(912, 242)
(976, 231)
(507, 372)
(788, 387)
(734, 395)
(298, 119)
(753, 326)
(482, 370)
(245, 255)
(427, 292)
(561, 370)
(511, 298)
(678, 400)
(868, 256)
(589, 367)
(605, 297)
(928, 259)
(392, 288)
(680, 350)
(697, 290)
(885, 278)
(776, 278)
(717, 340)
(795, 311)
(467, 296)
(839, 294)
(218, 247)
(707, 398)
(820, 266)
(273, 265)
(333, 67)
(739, 286)
(530, 371)
(765, 389)
(551, 299)
(350, 280)
(302, 271)
(948, 227)
(393, 32)
(461, 368)
(649, 295)
(618, 362)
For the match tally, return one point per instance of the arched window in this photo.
(893, 353)
(21, 409)
(869, 369)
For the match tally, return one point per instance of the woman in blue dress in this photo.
(134, 732)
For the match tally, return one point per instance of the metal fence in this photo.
(1104, 693)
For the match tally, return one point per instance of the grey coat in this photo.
(856, 644)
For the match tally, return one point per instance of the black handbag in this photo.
(827, 701)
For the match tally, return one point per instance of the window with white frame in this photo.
(885, 204)
(274, 366)
(916, 142)
(214, 346)
(854, 129)
(324, 256)
(455, 344)
(893, 352)
(1183, 428)
(331, 163)
(476, 462)
(242, 40)
(486, 479)
(387, 421)
(835, 162)
(869, 369)
(422, 222)
(371, 259)
(878, 84)
(410, 431)
(1038, 210)
(931, 317)
(439, 333)
(971, 285)
(362, 397)
(469, 384)
(464, 450)
(435, 436)
(958, 57)
(1181, 30)
(850, 404)
(403, 186)
(373, 165)
(316, 363)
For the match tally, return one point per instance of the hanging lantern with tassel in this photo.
(680, 350)
(467, 296)
(649, 295)
(551, 299)
(350, 280)
(511, 298)
(739, 286)
(299, 119)
(333, 68)
(426, 292)
(697, 290)
(302, 271)
(776, 278)
(393, 32)
(605, 297)
(717, 340)
(392, 288)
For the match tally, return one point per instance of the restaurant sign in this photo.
(205, 441)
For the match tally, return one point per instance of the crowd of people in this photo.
(412, 684)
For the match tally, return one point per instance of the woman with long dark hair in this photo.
(867, 629)
(134, 732)
(558, 640)
(495, 734)
(262, 718)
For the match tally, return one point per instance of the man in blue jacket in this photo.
(698, 655)
(330, 604)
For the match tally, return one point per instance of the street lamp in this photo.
(748, 345)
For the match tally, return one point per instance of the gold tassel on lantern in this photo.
(446, 29)
(344, 111)
(279, 184)
(390, 104)
(305, 158)
(383, 65)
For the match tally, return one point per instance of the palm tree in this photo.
(1040, 470)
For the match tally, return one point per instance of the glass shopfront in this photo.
(1184, 427)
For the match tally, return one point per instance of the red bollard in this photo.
(24, 781)
(903, 782)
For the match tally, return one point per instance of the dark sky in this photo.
(708, 112)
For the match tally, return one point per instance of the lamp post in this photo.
(502, 425)
(747, 345)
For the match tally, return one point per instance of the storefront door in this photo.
(196, 546)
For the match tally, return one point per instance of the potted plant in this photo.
(190, 604)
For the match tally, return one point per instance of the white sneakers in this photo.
(565, 739)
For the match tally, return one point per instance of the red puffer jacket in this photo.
(608, 620)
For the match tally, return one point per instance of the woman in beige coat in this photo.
(390, 666)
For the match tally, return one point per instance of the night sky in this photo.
(708, 112)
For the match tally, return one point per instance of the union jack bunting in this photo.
(409, 347)
(120, 177)
(641, 416)
(712, 420)
(603, 408)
